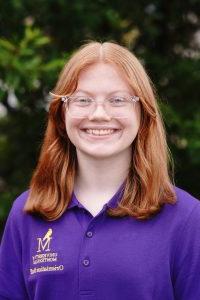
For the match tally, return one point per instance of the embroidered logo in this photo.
(45, 255)
(44, 242)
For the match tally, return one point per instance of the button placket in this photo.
(86, 263)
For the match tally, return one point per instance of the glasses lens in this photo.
(119, 107)
(80, 107)
(116, 107)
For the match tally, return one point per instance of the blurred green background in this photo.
(36, 39)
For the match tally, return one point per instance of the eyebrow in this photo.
(113, 92)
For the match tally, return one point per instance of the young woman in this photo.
(102, 218)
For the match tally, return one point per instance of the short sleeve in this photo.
(187, 259)
(12, 285)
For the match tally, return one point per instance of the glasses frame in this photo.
(65, 99)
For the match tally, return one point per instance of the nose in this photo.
(99, 113)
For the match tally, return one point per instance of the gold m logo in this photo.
(44, 243)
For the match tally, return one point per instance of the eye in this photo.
(117, 101)
(82, 101)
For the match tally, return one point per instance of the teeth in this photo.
(100, 132)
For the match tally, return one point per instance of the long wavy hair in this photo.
(149, 183)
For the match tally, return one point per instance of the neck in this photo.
(101, 175)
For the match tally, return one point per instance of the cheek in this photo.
(136, 119)
(71, 126)
(131, 128)
(133, 122)
(71, 123)
(130, 133)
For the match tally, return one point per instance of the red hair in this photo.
(149, 182)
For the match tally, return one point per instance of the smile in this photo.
(100, 132)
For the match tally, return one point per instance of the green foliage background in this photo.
(36, 39)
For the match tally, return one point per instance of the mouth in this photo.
(101, 132)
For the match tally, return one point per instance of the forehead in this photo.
(102, 78)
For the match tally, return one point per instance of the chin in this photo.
(101, 154)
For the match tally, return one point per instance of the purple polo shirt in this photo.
(81, 257)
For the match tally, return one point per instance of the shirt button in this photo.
(86, 262)
(89, 234)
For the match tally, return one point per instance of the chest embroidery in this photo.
(45, 259)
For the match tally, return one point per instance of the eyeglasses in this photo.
(84, 106)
